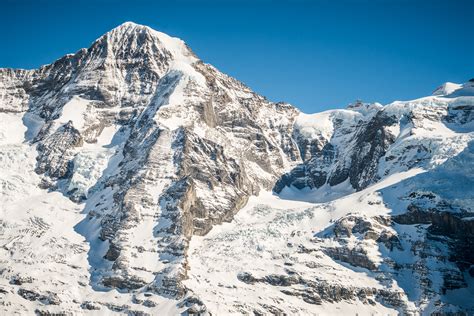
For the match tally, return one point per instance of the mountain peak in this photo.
(130, 24)
(449, 89)
(131, 41)
(446, 89)
(128, 28)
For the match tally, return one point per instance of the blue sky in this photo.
(316, 55)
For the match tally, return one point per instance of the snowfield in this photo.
(266, 237)
(39, 238)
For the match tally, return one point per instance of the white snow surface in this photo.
(313, 125)
(37, 232)
(447, 88)
(264, 238)
(75, 111)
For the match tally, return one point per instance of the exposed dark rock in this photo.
(41, 312)
(127, 283)
(357, 161)
(53, 156)
(458, 228)
(48, 298)
(370, 145)
(315, 292)
(19, 279)
(355, 256)
(90, 305)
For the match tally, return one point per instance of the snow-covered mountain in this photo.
(137, 179)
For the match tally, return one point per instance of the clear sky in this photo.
(314, 54)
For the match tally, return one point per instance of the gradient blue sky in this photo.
(314, 54)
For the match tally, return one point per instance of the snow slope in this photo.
(275, 236)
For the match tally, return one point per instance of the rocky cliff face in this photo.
(114, 157)
(367, 142)
(156, 145)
